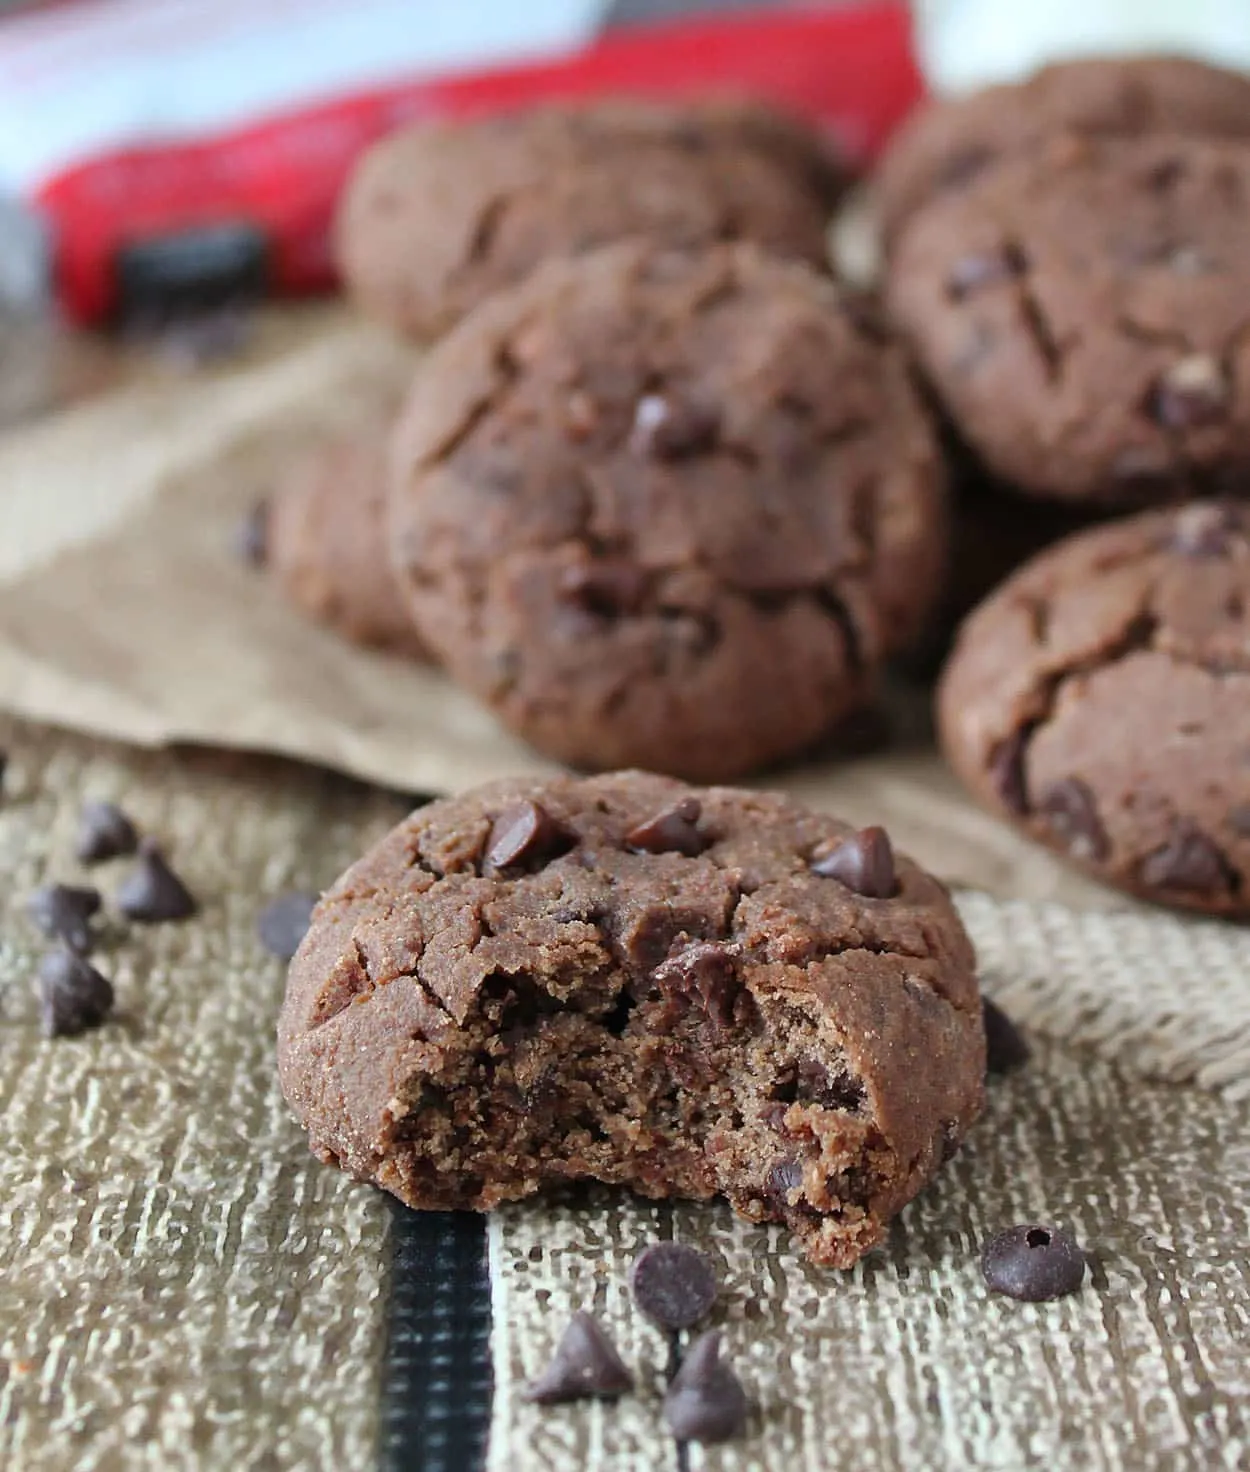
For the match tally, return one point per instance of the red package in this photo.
(248, 207)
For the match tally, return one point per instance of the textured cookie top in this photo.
(657, 957)
(1102, 696)
(1082, 315)
(697, 494)
(438, 216)
(951, 141)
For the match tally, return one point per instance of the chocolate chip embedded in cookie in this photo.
(439, 216)
(466, 1033)
(325, 541)
(1082, 315)
(952, 141)
(667, 510)
(1101, 699)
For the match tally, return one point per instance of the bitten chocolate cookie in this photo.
(951, 141)
(667, 510)
(1082, 314)
(325, 542)
(689, 992)
(437, 217)
(1101, 700)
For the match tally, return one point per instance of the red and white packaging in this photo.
(154, 149)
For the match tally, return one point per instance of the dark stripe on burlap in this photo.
(436, 1385)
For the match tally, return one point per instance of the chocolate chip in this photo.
(673, 1284)
(1007, 772)
(864, 863)
(152, 892)
(1193, 391)
(1033, 1263)
(1188, 861)
(73, 995)
(1070, 812)
(971, 273)
(104, 832)
(784, 1178)
(64, 912)
(814, 1084)
(1005, 1048)
(284, 922)
(705, 969)
(525, 833)
(706, 1401)
(251, 536)
(669, 428)
(949, 1141)
(607, 587)
(585, 1364)
(675, 830)
(4, 765)
(1204, 530)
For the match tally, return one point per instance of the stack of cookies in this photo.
(664, 493)
(1064, 259)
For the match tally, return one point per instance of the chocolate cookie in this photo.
(437, 217)
(1101, 700)
(667, 510)
(325, 542)
(1082, 314)
(952, 141)
(632, 981)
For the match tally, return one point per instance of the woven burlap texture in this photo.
(1129, 1126)
(181, 1284)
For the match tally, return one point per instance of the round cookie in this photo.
(440, 215)
(1101, 700)
(628, 980)
(951, 141)
(325, 542)
(667, 510)
(1081, 314)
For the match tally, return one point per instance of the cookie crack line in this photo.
(1010, 753)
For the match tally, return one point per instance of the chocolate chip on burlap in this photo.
(284, 922)
(586, 1365)
(73, 995)
(706, 1402)
(152, 892)
(1033, 1262)
(104, 832)
(673, 1284)
(1005, 1047)
(64, 912)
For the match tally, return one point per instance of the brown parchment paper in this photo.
(125, 613)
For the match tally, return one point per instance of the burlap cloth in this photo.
(181, 1286)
